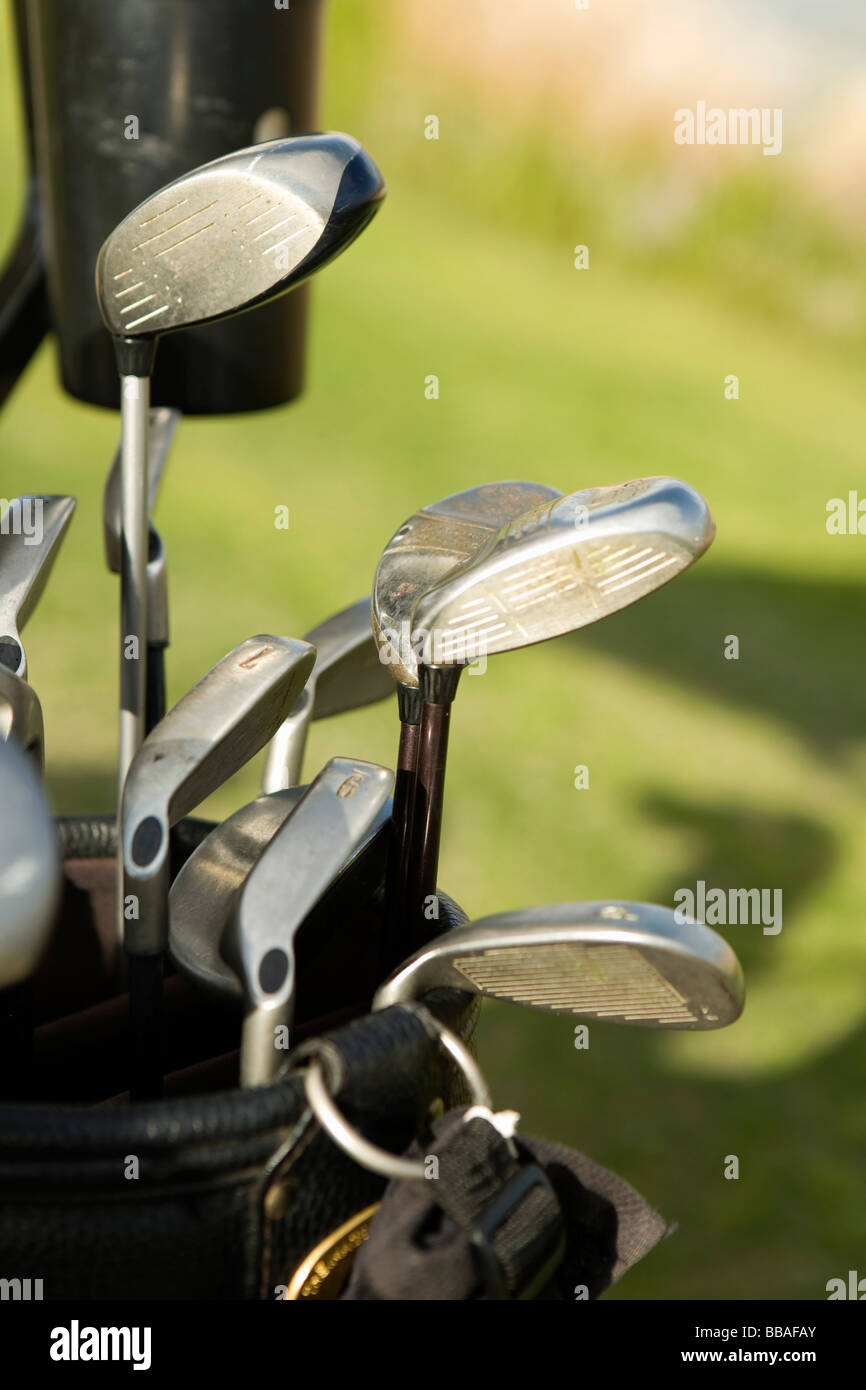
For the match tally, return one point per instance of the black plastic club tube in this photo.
(438, 686)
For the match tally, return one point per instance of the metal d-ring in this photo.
(346, 1137)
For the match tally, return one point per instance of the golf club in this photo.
(29, 899)
(211, 732)
(325, 831)
(227, 236)
(622, 962)
(29, 868)
(555, 569)
(31, 533)
(21, 716)
(205, 892)
(428, 546)
(161, 427)
(347, 675)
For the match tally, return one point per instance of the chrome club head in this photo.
(235, 233)
(21, 716)
(209, 734)
(205, 893)
(347, 675)
(325, 831)
(29, 868)
(217, 726)
(622, 962)
(562, 566)
(31, 533)
(429, 546)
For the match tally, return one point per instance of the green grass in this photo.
(742, 773)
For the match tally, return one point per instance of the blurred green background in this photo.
(555, 130)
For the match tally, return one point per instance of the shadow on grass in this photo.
(748, 849)
(801, 647)
(794, 1218)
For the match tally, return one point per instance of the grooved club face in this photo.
(561, 566)
(234, 233)
(428, 547)
(623, 962)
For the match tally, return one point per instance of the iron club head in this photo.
(328, 826)
(205, 892)
(347, 675)
(211, 732)
(623, 962)
(31, 533)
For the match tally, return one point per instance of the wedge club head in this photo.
(432, 544)
(347, 675)
(325, 831)
(428, 546)
(553, 570)
(622, 962)
(31, 534)
(21, 716)
(562, 566)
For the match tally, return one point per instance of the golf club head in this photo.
(29, 868)
(562, 566)
(432, 543)
(325, 831)
(347, 675)
(21, 716)
(205, 892)
(234, 233)
(621, 962)
(209, 734)
(31, 536)
(163, 423)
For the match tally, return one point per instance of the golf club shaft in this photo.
(135, 402)
(401, 825)
(438, 687)
(154, 700)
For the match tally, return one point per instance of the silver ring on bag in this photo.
(346, 1137)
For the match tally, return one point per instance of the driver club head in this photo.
(21, 716)
(347, 675)
(326, 830)
(234, 233)
(621, 962)
(31, 533)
